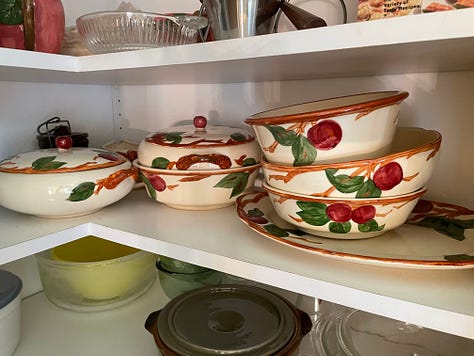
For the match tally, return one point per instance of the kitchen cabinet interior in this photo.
(125, 95)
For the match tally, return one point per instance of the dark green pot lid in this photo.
(10, 287)
(227, 319)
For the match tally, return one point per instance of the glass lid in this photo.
(230, 319)
(360, 334)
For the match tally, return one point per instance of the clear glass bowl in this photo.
(117, 31)
(174, 284)
(92, 274)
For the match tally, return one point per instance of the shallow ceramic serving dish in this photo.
(339, 129)
(174, 283)
(92, 274)
(197, 190)
(116, 31)
(57, 183)
(199, 147)
(230, 320)
(408, 167)
(341, 218)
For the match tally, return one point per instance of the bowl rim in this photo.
(196, 172)
(381, 200)
(201, 21)
(374, 100)
(45, 257)
(433, 144)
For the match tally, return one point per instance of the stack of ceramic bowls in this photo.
(198, 167)
(341, 167)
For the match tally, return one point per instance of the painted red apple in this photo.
(388, 176)
(325, 135)
(157, 182)
(363, 214)
(339, 212)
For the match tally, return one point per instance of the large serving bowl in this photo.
(343, 218)
(197, 190)
(407, 168)
(93, 274)
(59, 183)
(116, 31)
(199, 147)
(340, 129)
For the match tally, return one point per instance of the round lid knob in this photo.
(200, 123)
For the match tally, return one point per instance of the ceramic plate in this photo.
(436, 236)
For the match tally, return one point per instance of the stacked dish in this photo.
(198, 167)
(357, 333)
(177, 277)
(341, 168)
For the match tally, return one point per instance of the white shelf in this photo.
(49, 330)
(219, 240)
(434, 42)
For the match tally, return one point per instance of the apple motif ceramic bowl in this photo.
(343, 218)
(199, 147)
(408, 167)
(340, 129)
(64, 182)
(197, 190)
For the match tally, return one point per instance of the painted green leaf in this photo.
(149, 188)
(296, 232)
(275, 230)
(236, 181)
(46, 163)
(249, 162)
(459, 258)
(238, 137)
(343, 182)
(339, 228)
(369, 190)
(282, 136)
(11, 12)
(313, 213)
(371, 225)
(82, 191)
(255, 212)
(303, 151)
(174, 137)
(453, 228)
(160, 163)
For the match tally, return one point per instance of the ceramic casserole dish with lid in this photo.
(10, 312)
(228, 319)
(64, 182)
(199, 147)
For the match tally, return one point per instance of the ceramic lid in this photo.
(10, 287)
(55, 160)
(227, 319)
(199, 146)
(200, 135)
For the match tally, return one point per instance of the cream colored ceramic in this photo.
(199, 147)
(343, 218)
(197, 190)
(58, 183)
(340, 129)
(408, 167)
